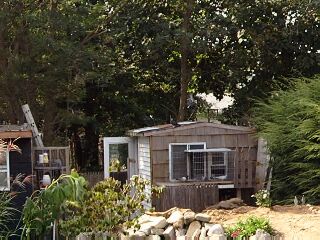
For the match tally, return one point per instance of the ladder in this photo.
(37, 137)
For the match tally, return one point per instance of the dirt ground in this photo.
(291, 222)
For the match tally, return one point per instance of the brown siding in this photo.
(196, 197)
(239, 140)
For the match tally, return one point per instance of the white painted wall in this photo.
(144, 163)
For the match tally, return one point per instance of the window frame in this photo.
(225, 165)
(6, 170)
(187, 163)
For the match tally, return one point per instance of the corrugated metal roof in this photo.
(167, 128)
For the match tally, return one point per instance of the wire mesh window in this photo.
(178, 157)
(198, 166)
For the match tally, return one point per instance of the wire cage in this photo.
(211, 164)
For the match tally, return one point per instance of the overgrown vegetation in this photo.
(46, 207)
(290, 122)
(109, 207)
(90, 68)
(248, 227)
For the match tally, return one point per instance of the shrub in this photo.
(289, 122)
(47, 206)
(262, 198)
(108, 207)
(248, 227)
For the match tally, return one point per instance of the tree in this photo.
(289, 122)
(277, 41)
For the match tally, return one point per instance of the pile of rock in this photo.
(180, 224)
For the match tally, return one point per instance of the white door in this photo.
(122, 149)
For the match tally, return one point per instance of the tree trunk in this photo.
(186, 72)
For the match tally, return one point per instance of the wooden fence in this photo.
(194, 196)
(95, 177)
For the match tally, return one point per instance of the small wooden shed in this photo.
(13, 163)
(199, 163)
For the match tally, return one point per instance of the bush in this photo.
(108, 207)
(249, 227)
(262, 198)
(289, 122)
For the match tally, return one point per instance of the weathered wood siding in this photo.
(242, 141)
(196, 197)
(144, 162)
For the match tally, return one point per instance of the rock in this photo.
(175, 217)
(189, 217)
(146, 228)
(124, 237)
(180, 232)
(262, 235)
(215, 229)
(157, 221)
(236, 201)
(181, 238)
(203, 217)
(196, 234)
(169, 233)
(157, 231)
(225, 205)
(217, 237)
(178, 224)
(203, 233)
(144, 218)
(153, 237)
(138, 235)
(193, 227)
(207, 226)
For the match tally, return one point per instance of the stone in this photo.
(203, 233)
(146, 228)
(138, 236)
(203, 217)
(175, 217)
(215, 229)
(157, 221)
(180, 232)
(178, 224)
(193, 227)
(157, 231)
(169, 233)
(196, 234)
(181, 238)
(153, 237)
(262, 235)
(189, 217)
(207, 226)
(124, 237)
(144, 218)
(237, 201)
(217, 237)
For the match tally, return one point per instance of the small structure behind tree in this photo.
(199, 163)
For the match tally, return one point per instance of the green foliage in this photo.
(90, 68)
(6, 214)
(46, 206)
(108, 207)
(262, 198)
(248, 227)
(290, 121)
